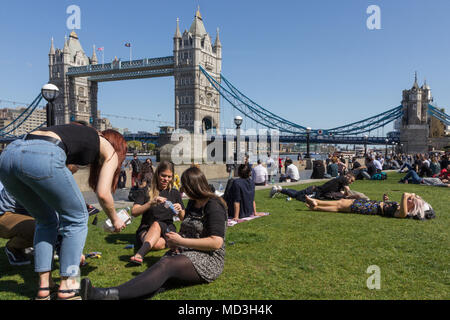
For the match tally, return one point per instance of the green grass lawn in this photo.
(294, 254)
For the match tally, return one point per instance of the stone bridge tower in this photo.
(77, 98)
(415, 128)
(197, 103)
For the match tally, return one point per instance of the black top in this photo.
(242, 191)
(213, 216)
(135, 165)
(82, 142)
(335, 185)
(389, 208)
(158, 212)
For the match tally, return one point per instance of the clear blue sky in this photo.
(313, 62)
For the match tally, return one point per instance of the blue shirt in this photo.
(7, 202)
(243, 191)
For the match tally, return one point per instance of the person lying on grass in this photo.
(334, 189)
(157, 220)
(410, 206)
(197, 252)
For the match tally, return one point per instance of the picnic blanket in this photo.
(231, 222)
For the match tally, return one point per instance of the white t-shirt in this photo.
(259, 174)
(377, 164)
(292, 172)
(271, 165)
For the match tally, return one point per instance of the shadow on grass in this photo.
(148, 261)
(121, 238)
(30, 278)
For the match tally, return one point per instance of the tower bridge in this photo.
(200, 86)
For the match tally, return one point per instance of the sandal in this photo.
(76, 295)
(136, 260)
(50, 295)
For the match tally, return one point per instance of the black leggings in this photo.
(179, 269)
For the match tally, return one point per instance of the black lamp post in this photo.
(238, 122)
(308, 132)
(50, 93)
(386, 150)
(365, 144)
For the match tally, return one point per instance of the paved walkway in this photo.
(121, 195)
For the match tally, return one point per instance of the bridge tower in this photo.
(415, 128)
(78, 96)
(197, 103)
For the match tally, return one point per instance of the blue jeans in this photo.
(35, 173)
(412, 177)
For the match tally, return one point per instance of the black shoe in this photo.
(16, 258)
(88, 292)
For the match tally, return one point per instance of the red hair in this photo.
(120, 146)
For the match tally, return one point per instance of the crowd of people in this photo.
(42, 208)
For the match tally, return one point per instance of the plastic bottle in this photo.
(220, 187)
(123, 214)
(169, 205)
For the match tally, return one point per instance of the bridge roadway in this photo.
(287, 139)
(153, 138)
(123, 70)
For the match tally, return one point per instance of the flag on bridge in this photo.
(101, 49)
(128, 45)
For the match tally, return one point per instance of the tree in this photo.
(134, 145)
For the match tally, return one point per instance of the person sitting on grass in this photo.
(17, 226)
(241, 196)
(197, 252)
(157, 220)
(337, 188)
(410, 206)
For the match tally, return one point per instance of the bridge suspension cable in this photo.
(17, 122)
(270, 120)
(438, 114)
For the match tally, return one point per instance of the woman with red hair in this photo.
(33, 170)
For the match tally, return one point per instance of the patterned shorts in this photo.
(369, 207)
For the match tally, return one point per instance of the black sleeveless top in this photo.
(82, 142)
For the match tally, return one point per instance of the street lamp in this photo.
(365, 144)
(238, 122)
(308, 132)
(50, 93)
(393, 146)
(385, 153)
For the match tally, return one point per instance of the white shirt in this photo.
(271, 166)
(377, 164)
(259, 174)
(292, 172)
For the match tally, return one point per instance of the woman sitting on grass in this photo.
(157, 220)
(411, 206)
(197, 252)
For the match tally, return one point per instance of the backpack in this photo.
(318, 170)
(227, 197)
(379, 176)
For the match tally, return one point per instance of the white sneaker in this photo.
(273, 191)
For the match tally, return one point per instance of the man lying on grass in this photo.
(335, 189)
